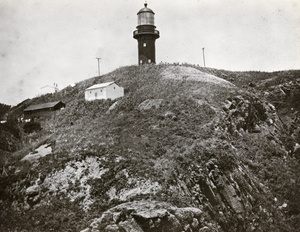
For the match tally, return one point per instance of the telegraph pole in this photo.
(98, 66)
(203, 57)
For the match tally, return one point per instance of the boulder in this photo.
(86, 230)
(151, 104)
(195, 223)
(112, 228)
(148, 214)
(204, 229)
(130, 226)
(169, 114)
(112, 107)
(33, 190)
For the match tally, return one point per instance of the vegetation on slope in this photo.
(180, 141)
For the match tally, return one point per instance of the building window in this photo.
(95, 95)
(114, 87)
(149, 61)
(144, 44)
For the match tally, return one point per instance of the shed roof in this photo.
(102, 85)
(42, 106)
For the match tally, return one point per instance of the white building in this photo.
(109, 90)
(48, 89)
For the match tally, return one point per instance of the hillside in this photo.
(186, 149)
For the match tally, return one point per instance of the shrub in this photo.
(60, 215)
(4, 109)
(11, 127)
(30, 127)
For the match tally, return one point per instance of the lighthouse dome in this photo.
(145, 9)
(145, 16)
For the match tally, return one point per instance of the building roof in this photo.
(42, 106)
(102, 85)
(145, 9)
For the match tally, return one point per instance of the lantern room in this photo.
(145, 16)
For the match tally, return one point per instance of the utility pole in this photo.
(98, 66)
(203, 57)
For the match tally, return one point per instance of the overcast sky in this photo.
(57, 41)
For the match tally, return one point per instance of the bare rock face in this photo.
(252, 115)
(153, 216)
(41, 151)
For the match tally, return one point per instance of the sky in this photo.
(43, 42)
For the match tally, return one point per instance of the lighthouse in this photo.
(146, 34)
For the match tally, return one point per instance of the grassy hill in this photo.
(186, 149)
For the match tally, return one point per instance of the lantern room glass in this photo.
(145, 18)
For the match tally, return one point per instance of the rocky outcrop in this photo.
(226, 195)
(250, 114)
(282, 93)
(74, 179)
(217, 199)
(153, 216)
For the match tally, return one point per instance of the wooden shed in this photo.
(44, 109)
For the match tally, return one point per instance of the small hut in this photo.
(44, 109)
(108, 90)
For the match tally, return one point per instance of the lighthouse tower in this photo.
(146, 36)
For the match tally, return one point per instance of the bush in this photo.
(60, 215)
(11, 127)
(30, 127)
(4, 109)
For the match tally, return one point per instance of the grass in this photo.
(176, 145)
